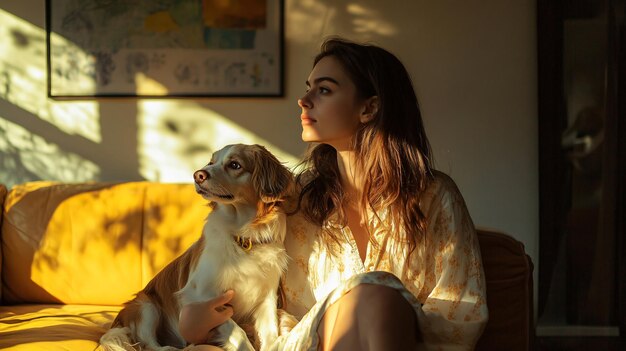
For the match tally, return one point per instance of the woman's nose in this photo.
(304, 102)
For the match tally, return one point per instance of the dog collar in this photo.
(244, 243)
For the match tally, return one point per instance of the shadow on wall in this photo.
(34, 149)
(54, 140)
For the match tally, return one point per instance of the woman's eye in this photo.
(324, 90)
(234, 165)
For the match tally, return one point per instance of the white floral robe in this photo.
(444, 280)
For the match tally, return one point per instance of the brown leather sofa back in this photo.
(93, 243)
(508, 272)
(3, 194)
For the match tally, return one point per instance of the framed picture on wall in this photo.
(166, 48)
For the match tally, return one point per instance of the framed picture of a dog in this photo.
(166, 48)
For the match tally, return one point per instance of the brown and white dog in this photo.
(241, 248)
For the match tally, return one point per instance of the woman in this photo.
(384, 253)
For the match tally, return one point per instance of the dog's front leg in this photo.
(232, 338)
(266, 321)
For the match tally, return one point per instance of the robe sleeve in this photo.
(454, 313)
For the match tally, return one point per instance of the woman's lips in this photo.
(307, 120)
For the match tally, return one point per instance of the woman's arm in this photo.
(455, 312)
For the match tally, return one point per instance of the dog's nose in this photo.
(200, 176)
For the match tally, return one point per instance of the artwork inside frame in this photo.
(165, 48)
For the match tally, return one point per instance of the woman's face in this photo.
(330, 107)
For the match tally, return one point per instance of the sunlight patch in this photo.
(149, 86)
(368, 22)
(29, 157)
(177, 138)
(308, 20)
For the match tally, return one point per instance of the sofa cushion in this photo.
(93, 243)
(53, 327)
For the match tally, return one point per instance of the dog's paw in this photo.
(286, 322)
(232, 338)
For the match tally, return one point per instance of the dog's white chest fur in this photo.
(223, 265)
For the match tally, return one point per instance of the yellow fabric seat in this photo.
(53, 327)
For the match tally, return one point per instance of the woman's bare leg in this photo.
(369, 317)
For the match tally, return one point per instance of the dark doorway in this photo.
(582, 135)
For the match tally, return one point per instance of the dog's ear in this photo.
(270, 178)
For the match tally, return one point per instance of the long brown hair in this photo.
(393, 155)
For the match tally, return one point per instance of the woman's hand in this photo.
(196, 320)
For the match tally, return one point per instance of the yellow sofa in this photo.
(71, 254)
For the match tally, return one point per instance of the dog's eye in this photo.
(234, 165)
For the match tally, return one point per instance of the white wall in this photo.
(473, 65)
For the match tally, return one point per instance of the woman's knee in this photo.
(370, 314)
(381, 306)
(380, 301)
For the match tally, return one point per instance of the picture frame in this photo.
(166, 48)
